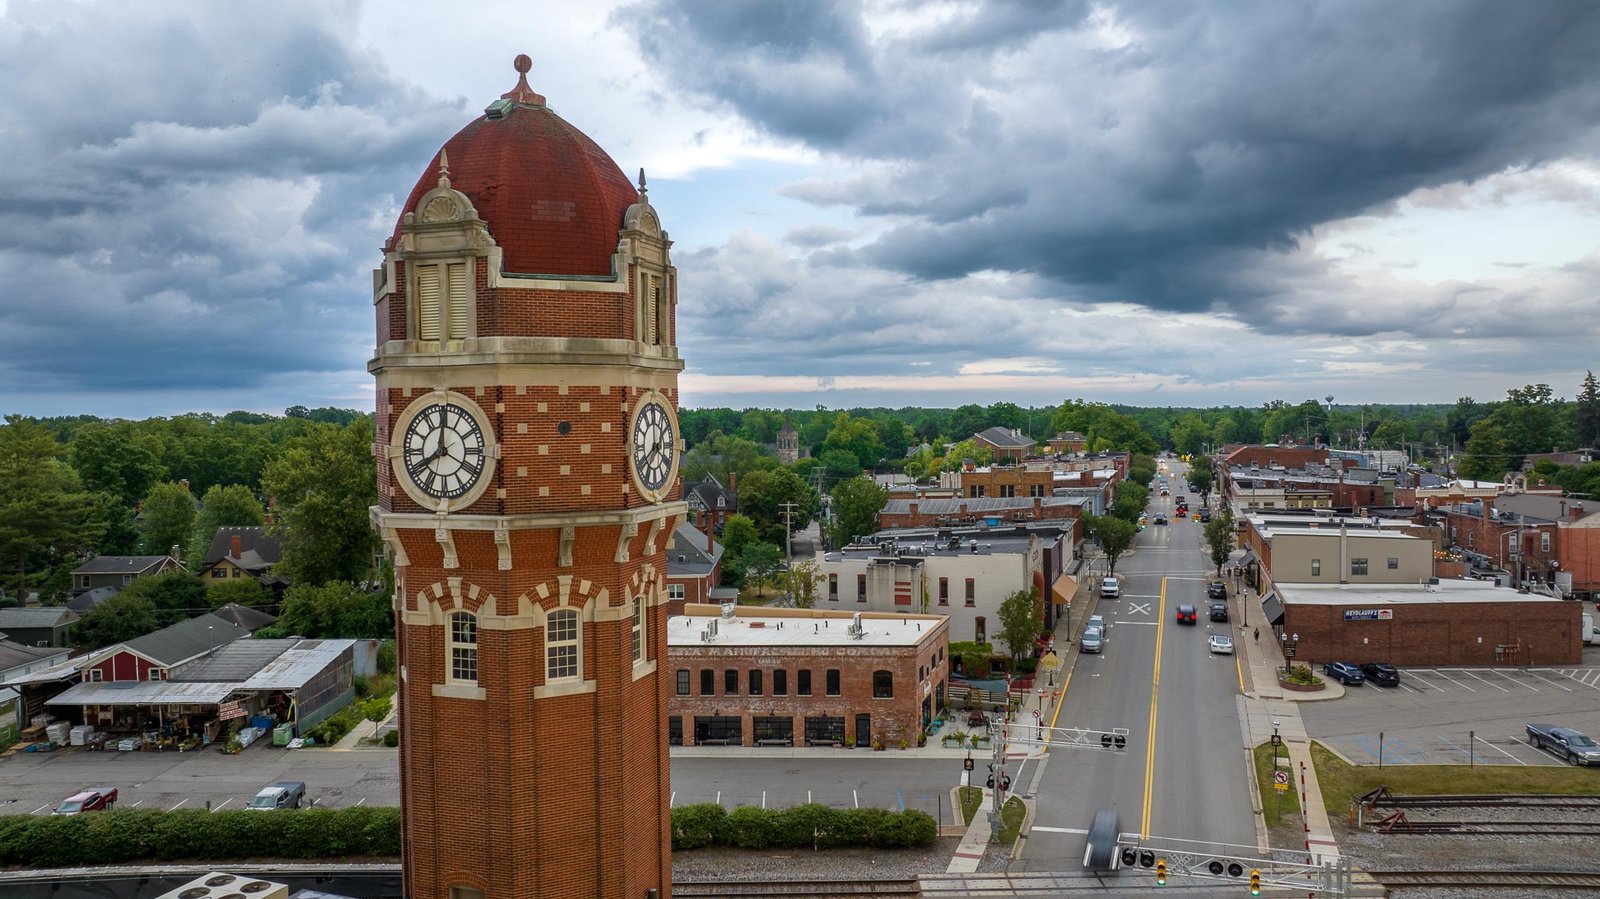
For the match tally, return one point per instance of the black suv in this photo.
(1186, 614)
(1381, 674)
(1216, 590)
(1219, 611)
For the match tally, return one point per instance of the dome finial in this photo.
(444, 169)
(522, 93)
(642, 189)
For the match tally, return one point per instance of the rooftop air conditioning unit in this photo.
(229, 886)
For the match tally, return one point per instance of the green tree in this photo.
(737, 533)
(1203, 474)
(336, 609)
(728, 459)
(325, 482)
(959, 452)
(856, 504)
(759, 563)
(1103, 427)
(1488, 455)
(175, 595)
(1113, 534)
(116, 458)
(1132, 497)
(232, 505)
(1021, 621)
(1586, 413)
(803, 582)
(1191, 434)
(1219, 537)
(246, 591)
(166, 518)
(117, 620)
(858, 436)
(762, 495)
(839, 464)
(46, 517)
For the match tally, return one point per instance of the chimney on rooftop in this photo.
(185, 483)
(237, 550)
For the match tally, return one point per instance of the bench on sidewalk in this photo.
(780, 741)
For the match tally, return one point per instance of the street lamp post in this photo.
(1284, 639)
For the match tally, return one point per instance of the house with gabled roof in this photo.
(41, 626)
(243, 551)
(694, 567)
(119, 571)
(153, 655)
(711, 503)
(1005, 443)
(84, 603)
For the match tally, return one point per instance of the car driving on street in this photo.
(1186, 614)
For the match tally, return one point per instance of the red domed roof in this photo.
(552, 198)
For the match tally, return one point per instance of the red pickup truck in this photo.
(94, 799)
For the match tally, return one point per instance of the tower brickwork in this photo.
(527, 448)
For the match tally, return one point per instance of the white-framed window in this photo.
(561, 645)
(638, 629)
(1544, 541)
(127, 579)
(155, 674)
(96, 675)
(674, 591)
(1394, 563)
(463, 647)
(1316, 568)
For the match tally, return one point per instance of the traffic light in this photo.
(1130, 857)
(1161, 873)
(1255, 882)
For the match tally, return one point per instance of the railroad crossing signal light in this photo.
(1130, 857)
(1161, 873)
(1147, 859)
(1255, 882)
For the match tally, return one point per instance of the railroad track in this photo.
(819, 889)
(1497, 828)
(1509, 800)
(1552, 880)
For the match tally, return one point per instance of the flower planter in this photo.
(1300, 688)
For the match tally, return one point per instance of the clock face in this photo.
(443, 451)
(654, 446)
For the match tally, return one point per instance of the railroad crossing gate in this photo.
(1234, 864)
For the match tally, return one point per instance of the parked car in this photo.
(1382, 674)
(94, 799)
(1205, 514)
(1222, 644)
(284, 794)
(1216, 590)
(1219, 611)
(1345, 673)
(1564, 743)
(1186, 614)
(1110, 588)
(1098, 621)
(1093, 640)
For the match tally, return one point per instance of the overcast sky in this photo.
(874, 203)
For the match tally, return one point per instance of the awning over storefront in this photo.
(156, 692)
(1065, 588)
(1248, 559)
(1272, 608)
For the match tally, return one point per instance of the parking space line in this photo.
(1482, 681)
(1456, 746)
(1502, 751)
(1426, 685)
(39, 809)
(1508, 677)
(135, 804)
(180, 802)
(1558, 686)
(1573, 676)
(1454, 681)
(224, 802)
(1406, 686)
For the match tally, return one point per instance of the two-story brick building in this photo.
(744, 676)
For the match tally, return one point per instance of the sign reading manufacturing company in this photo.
(1368, 614)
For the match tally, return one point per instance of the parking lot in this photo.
(1456, 716)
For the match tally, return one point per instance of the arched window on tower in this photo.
(660, 299)
(638, 629)
(561, 645)
(463, 647)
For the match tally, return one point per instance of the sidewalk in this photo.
(365, 728)
(1268, 705)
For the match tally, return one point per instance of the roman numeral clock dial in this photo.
(653, 454)
(444, 452)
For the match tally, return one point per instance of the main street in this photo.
(1183, 774)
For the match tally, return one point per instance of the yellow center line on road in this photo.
(1155, 690)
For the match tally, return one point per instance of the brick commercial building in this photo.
(1454, 622)
(528, 443)
(803, 677)
(925, 513)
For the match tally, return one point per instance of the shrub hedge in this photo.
(138, 834)
(154, 835)
(811, 826)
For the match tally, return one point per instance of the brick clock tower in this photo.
(527, 447)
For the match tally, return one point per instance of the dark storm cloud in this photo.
(193, 196)
(1169, 154)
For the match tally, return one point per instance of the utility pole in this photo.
(788, 518)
